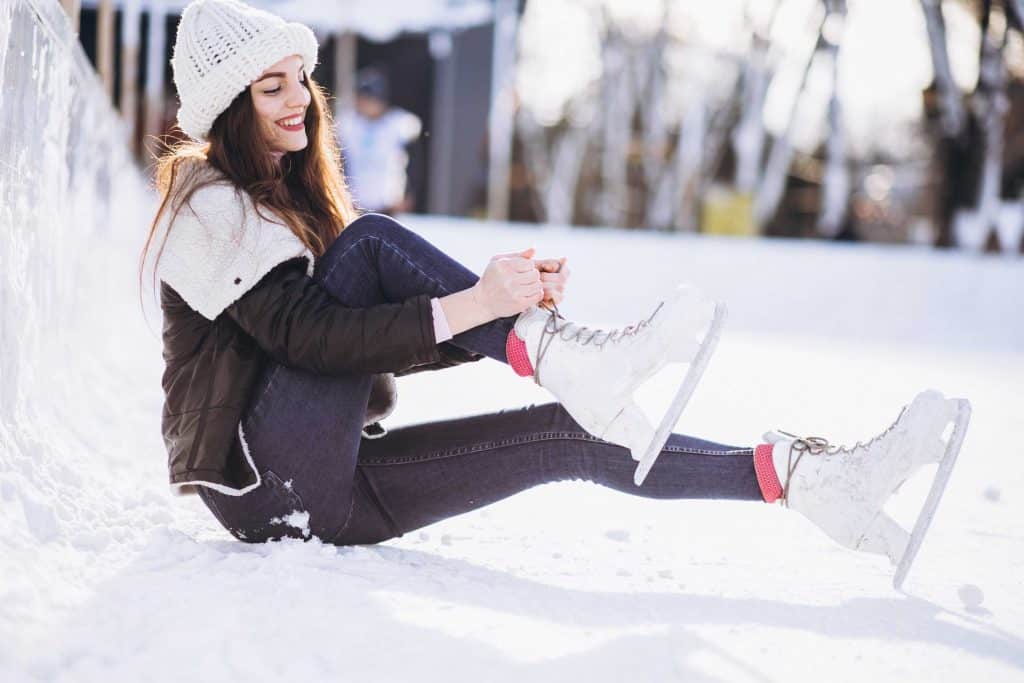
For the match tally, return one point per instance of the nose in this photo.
(298, 96)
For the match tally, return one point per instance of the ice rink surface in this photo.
(108, 577)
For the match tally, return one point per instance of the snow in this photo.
(106, 576)
(128, 582)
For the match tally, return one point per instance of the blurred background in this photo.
(893, 121)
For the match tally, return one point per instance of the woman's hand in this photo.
(511, 283)
(553, 276)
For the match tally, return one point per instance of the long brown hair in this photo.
(306, 190)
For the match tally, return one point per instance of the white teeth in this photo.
(291, 122)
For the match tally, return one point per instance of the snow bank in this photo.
(67, 199)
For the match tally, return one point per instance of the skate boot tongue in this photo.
(581, 334)
(541, 326)
(556, 325)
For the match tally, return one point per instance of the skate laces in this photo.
(557, 326)
(817, 445)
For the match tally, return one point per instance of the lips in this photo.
(291, 123)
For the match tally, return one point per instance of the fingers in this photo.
(532, 292)
(525, 296)
(519, 260)
(527, 281)
(550, 265)
(515, 264)
(553, 294)
(554, 283)
(523, 286)
(524, 254)
(530, 277)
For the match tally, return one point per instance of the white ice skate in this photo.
(843, 490)
(594, 373)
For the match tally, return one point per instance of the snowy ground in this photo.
(105, 576)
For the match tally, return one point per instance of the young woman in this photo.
(286, 315)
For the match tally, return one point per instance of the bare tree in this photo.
(991, 105)
(773, 179)
(835, 191)
(953, 117)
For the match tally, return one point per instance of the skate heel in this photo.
(630, 428)
(884, 537)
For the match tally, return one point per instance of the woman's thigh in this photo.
(303, 432)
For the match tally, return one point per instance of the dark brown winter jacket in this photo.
(231, 305)
(212, 366)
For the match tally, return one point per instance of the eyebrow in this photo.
(275, 74)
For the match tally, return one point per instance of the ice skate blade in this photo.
(675, 409)
(924, 519)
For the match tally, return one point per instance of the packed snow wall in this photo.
(66, 183)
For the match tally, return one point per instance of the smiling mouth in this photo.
(292, 123)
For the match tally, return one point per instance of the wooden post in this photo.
(993, 104)
(153, 103)
(130, 18)
(345, 72)
(73, 8)
(442, 136)
(105, 44)
(835, 181)
(953, 116)
(776, 170)
(500, 120)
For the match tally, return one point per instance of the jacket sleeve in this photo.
(451, 356)
(300, 324)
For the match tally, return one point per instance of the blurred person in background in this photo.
(375, 139)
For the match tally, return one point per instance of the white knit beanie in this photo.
(223, 46)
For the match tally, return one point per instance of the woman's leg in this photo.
(424, 473)
(377, 260)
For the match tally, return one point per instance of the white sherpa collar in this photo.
(219, 247)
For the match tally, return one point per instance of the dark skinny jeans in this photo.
(322, 479)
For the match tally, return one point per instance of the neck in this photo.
(277, 156)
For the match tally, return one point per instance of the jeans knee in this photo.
(376, 225)
(370, 230)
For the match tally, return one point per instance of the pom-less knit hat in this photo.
(223, 46)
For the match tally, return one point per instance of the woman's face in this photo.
(280, 98)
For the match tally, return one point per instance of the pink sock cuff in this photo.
(515, 349)
(767, 478)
